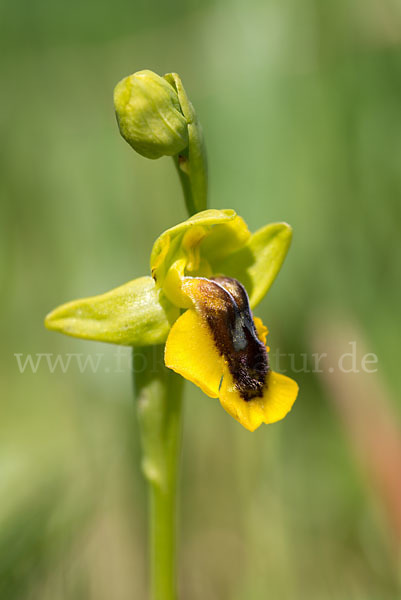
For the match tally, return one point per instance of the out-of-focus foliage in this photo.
(300, 105)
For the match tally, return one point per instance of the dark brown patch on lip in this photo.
(224, 304)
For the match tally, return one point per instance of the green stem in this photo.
(192, 171)
(192, 163)
(163, 520)
(159, 401)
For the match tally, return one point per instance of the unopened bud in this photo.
(149, 115)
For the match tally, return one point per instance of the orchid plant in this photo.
(194, 310)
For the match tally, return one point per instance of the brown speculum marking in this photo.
(224, 304)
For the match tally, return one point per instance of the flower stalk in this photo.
(158, 393)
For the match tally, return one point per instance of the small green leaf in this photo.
(192, 163)
(258, 262)
(134, 314)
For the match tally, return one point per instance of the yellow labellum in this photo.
(191, 351)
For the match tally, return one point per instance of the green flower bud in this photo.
(149, 115)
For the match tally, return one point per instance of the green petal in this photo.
(225, 232)
(134, 314)
(258, 262)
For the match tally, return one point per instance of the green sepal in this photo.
(224, 231)
(258, 262)
(134, 314)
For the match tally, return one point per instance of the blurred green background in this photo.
(300, 104)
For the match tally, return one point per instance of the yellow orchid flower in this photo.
(215, 270)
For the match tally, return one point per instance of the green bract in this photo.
(149, 115)
(211, 243)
